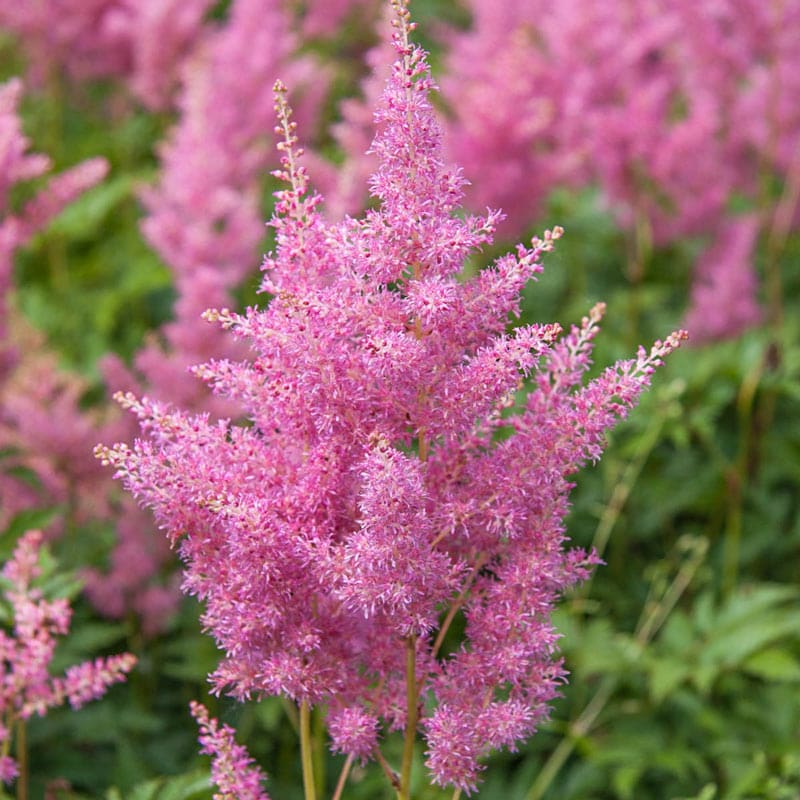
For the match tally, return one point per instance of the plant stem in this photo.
(579, 728)
(318, 753)
(457, 603)
(650, 622)
(22, 761)
(619, 497)
(394, 780)
(306, 754)
(411, 717)
(343, 778)
(737, 477)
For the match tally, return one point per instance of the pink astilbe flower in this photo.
(47, 434)
(142, 41)
(724, 293)
(671, 107)
(26, 685)
(204, 221)
(369, 502)
(204, 215)
(232, 768)
(18, 165)
(506, 99)
(42, 428)
(344, 185)
(133, 581)
(353, 731)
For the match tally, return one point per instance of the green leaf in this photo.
(773, 664)
(666, 675)
(625, 779)
(82, 218)
(29, 519)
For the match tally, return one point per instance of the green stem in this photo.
(619, 497)
(411, 717)
(651, 620)
(737, 476)
(306, 754)
(22, 761)
(578, 729)
(317, 744)
(392, 776)
(343, 778)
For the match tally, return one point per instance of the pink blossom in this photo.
(41, 423)
(232, 768)
(724, 293)
(354, 731)
(368, 498)
(90, 680)
(669, 107)
(204, 221)
(26, 685)
(144, 41)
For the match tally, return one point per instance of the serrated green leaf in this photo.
(729, 647)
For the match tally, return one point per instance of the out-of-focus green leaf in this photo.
(773, 664)
(191, 786)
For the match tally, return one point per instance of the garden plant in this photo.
(362, 542)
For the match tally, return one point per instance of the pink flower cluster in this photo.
(42, 428)
(203, 216)
(143, 41)
(232, 769)
(370, 499)
(26, 685)
(204, 220)
(672, 107)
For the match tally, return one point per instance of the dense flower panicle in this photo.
(369, 494)
(344, 185)
(42, 429)
(671, 107)
(144, 42)
(203, 216)
(45, 432)
(89, 681)
(725, 290)
(353, 731)
(232, 768)
(204, 221)
(26, 685)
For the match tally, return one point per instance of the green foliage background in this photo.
(684, 649)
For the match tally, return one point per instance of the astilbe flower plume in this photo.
(670, 107)
(233, 770)
(203, 220)
(144, 42)
(43, 431)
(368, 500)
(26, 685)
